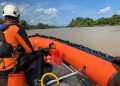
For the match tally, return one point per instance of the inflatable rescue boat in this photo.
(95, 65)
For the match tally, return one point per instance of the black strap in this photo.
(1, 36)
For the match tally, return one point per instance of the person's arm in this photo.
(22, 38)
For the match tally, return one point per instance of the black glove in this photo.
(45, 51)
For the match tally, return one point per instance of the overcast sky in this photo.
(61, 12)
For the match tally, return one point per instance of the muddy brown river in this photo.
(104, 39)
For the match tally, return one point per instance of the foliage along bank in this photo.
(23, 24)
(88, 22)
(77, 22)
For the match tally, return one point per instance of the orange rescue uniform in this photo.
(15, 36)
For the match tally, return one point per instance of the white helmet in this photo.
(11, 10)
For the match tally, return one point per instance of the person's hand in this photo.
(48, 59)
(44, 51)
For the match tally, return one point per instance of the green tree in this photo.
(23, 24)
(1, 22)
(88, 22)
(81, 22)
(116, 19)
(42, 26)
(72, 23)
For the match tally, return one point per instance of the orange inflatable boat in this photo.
(96, 65)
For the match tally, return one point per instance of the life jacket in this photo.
(6, 49)
(7, 61)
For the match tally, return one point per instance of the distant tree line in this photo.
(1, 22)
(26, 26)
(84, 22)
(77, 22)
(41, 26)
(23, 24)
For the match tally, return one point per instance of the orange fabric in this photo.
(17, 79)
(8, 63)
(22, 42)
(11, 36)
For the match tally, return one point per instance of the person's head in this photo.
(11, 12)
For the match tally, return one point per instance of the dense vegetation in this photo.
(84, 22)
(23, 24)
(77, 22)
(1, 21)
(41, 26)
(26, 26)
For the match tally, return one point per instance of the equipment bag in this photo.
(6, 49)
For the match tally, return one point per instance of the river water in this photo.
(104, 39)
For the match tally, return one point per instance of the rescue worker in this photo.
(18, 38)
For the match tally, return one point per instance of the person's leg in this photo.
(33, 65)
(35, 71)
(47, 68)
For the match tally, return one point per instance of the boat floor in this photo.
(75, 80)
